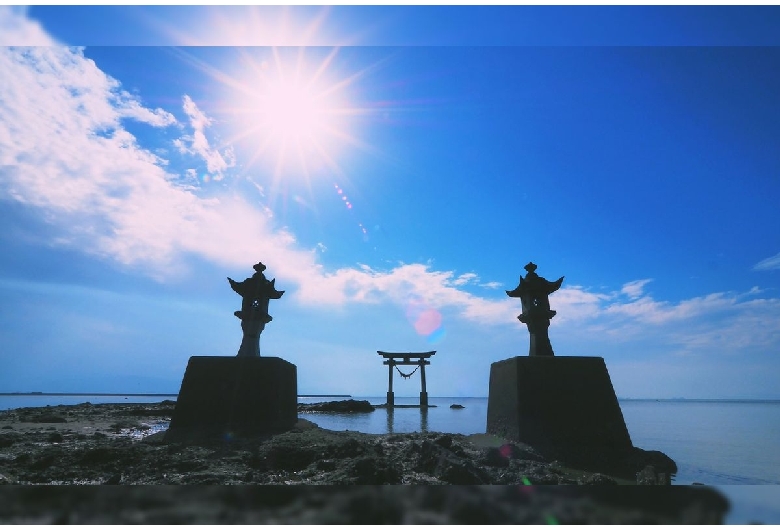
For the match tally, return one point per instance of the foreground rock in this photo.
(99, 444)
(364, 505)
(105, 444)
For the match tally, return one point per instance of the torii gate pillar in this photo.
(406, 359)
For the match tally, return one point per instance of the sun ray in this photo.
(293, 115)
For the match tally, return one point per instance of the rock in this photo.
(682, 504)
(349, 405)
(306, 455)
(523, 452)
(157, 438)
(54, 437)
(327, 465)
(447, 466)
(495, 458)
(302, 505)
(641, 458)
(597, 479)
(7, 440)
(113, 480)
(649, 477)
(295, 451)
(44, 462)
(444, 440)
(44, 418)
(372, 470)
(147, 412)
(456, 406)
(500, 456)
(117, 427)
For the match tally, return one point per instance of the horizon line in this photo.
(153, 394)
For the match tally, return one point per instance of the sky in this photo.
(395, 168)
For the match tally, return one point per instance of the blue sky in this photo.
(395, 168)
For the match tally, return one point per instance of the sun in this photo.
(292, 112)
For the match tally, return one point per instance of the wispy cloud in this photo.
(768, 263)
(463, 279)
(198, 144)
(634, 289)
(646, 310)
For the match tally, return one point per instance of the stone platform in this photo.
(235, 396)
(560, 404)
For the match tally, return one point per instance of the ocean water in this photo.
(732, 445)
(713, 442)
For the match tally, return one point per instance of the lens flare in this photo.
(437, 337)
(348, 205)
(505, 450)
(426, 320)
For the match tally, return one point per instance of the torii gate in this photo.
(405, 359)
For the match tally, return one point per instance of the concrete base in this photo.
(563, 404)
(234, 396)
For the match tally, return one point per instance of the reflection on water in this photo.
(390, 419)
(423, 413)
(441, 418)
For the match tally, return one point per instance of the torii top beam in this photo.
(406, 358)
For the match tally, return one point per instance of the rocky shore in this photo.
(123, 444)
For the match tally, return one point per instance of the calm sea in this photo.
(734, 445)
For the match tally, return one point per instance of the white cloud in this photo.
(398, 285)
(63, 149)
(463, 279)
(634, 289)
(16, 29)
(129, 107)
(197, 144)
(646, 310)
(768, 263)
(491, 285)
